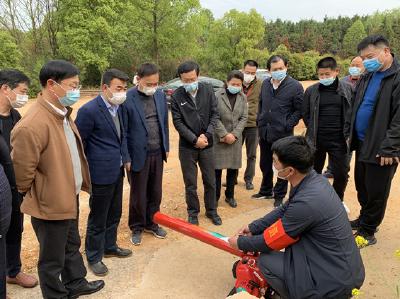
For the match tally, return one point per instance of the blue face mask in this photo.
(327, 81)
(234, 89)
(354, 71)
(372, 65)
(279, 75)
(191, 87)
(71, 97)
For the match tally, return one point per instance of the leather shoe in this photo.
(231, 201)
(215, 219)
(99, 269)
(249, 186)
(23, 280)
(193, 220)
(118, 252)
(89, 288)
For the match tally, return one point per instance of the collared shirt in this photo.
(113, 109)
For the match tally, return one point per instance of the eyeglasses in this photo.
(72, 86)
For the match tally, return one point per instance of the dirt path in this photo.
(180, 267)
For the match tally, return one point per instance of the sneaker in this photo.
(355, 224)
(363, 239)
(98, 269)
(231, 201)
(193, 220)
(136, 238)
(346, 208)
(262, 196)
(328, 175)
(158, 232)
(278, 203)
(23, 280)
(249, 186)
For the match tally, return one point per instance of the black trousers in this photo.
(13, 243)
(189, 159)
(4, 226)
(60, 266)
(267, 186)
(337, 152)
(250, 139)
(103, 220)
(329, 168)
(231, 175)
(271, 266)
(373, 184)
(146, 194)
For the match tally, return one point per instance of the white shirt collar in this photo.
(58, 110)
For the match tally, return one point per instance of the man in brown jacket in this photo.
(51, 169)
(252, 89)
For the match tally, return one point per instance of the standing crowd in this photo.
(47, 159)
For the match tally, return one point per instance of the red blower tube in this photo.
(195, 232)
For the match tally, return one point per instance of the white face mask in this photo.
(20, 100)
(277, 171)
(118, 98)
(149, 91)
(248, 78)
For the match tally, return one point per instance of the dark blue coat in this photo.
(279, 111)
(103, 147)
(136, 127)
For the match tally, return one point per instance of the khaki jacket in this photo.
(253, 97)
(42, 163)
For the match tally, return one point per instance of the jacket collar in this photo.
(45, 104)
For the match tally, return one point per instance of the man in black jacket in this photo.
(325, 108)
(279, 111)
(13, 94)
(194, 114)
(5, 215)
(321, 259)
(375, 133)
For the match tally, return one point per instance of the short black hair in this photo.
(327, 63)
(187, 67)
(235, 74)
(274, 59)
(111, 74)
(250, 62)
(57, 70)
(12, 78)
(374, 40)
(296, 152)
(147, 69)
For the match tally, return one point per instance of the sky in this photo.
(295, 10)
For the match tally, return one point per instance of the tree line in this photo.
(98, 34)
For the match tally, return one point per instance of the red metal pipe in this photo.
(193, 231)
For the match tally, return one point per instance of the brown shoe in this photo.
(23, 280)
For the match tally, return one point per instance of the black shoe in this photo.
(215, 219)
(193, 220)
(89, 288)
(262, 196)
(364, 239)
(328, 175)
(355, 224)
(249, 186)
(119, 252)
(231, 201)
(99, 269)
(278, 202)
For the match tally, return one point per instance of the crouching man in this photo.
(321, 259)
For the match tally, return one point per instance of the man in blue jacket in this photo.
(146, 124)
(101, 128)
(321, 259)
(279, 111)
